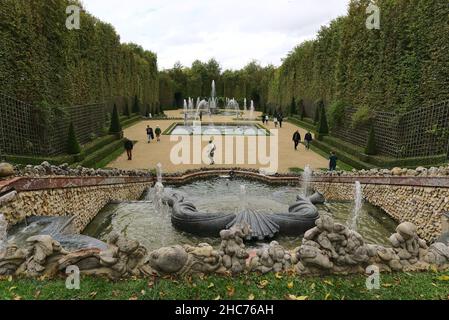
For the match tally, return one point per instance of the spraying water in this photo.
(3, 232)
(245, 108)
(358, 203)
(306, 177)
(251, 111)
(159, 191)
(186, 112)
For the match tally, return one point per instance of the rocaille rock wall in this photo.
(82, 202)
(423, 206)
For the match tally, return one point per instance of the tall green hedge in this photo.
(115, 121)
(401, 66)
(41, 60)
(73, 147)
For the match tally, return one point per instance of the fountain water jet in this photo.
(159, 192)
(306, 177)
(251, 111)
(358, 203)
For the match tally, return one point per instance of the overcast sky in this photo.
(232, 31)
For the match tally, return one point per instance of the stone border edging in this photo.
(21, 184)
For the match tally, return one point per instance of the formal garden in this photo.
(123, 181)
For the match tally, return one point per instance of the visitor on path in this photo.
(158, 133)
(333, 161)
(280, 118)
(150, 134)
(211, 151)
(296, 139)
(267, 119)
(201, 116)
(308, 139)
(263, 118)
(275, 120)
(129, 145)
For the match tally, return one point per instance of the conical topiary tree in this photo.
(126, 110)
(323, 127)
(147, 110)
(319, 106)
(73, 147)
(136, 106)
(293, 107)
(371, 147)
(302, 109)
(115, 122)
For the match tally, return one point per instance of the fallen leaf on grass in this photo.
(296, 298)
(133, 297)
(93, 294)
(251, 297)
(278, 276)
(290, 285)
(217, 298)
(12, 288)
(387, 285)
(443, 278)
(263, 284)
(327, 296)
(312, 286)
(328, 282)
(211, 285)
(231, 291)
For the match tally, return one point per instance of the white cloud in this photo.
(232, 31)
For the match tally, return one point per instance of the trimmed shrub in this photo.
(336, 113)
(319, 106)
(126, 110)
(302, 110)
(73, 146)
(363, 116)
(371, 148)
(293, 107)
(323, 127)
(115, 122)
(136, 106)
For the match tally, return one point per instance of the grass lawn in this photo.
(399, 286)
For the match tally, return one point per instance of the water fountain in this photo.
(306, 177)
(159, 191)
(186, 112)
(251, 111)
(245, 108)
(3, 231)
(358, 203)
(233, 104)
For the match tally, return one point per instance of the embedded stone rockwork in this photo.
(81, 202)
(422, 206)
(328, 248)
(332, 248)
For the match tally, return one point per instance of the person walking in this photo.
(275, 120)
(296, 139)
(158, 133)
(211, 151)
(150, 134)
(263, 118)
(201, 116)
(333, 161)
(308, 139)
(267, 119)
(280, 118)
(129, 145)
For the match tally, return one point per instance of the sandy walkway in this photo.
(146, 155)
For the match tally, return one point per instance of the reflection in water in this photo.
(140, 220)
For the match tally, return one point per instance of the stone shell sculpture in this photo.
(300, 218)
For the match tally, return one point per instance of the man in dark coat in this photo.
(129, 145)
(333, 161)
(296, 139)
(308, 139)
